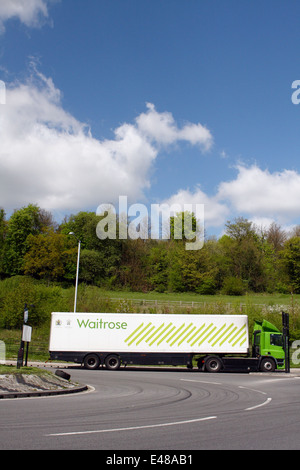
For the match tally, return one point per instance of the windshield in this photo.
(276, 340)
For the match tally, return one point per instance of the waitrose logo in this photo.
(100, 324)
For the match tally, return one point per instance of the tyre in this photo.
(267, 365)
(91, 362)
(213, 364)
(112, 362)
(62, 374)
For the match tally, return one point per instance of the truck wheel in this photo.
(112, 362)
(267, 365)
(91, 362)
(213, 364)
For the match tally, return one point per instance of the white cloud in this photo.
(162, 128)
(260, 196)
(50, 158)
(29, 12)
(215, 212)
(260, 193)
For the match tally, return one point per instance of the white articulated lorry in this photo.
(216, 342)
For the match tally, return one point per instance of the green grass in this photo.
(12, 370)
(94, 299)
(38, 348)
(267, 299)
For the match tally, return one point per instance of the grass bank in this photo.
(12, 370)
(15, 292)
(263, 298)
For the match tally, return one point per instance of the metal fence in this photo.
(182, 304)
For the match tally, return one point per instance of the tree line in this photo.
(246, 258)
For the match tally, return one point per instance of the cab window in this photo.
(276, 340)
(257, 339)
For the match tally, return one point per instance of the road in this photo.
(159, 410)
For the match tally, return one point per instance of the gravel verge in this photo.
(24, 385)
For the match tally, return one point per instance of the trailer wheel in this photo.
(91, 362)
(213, 364)
(112, 362)
(267, 365)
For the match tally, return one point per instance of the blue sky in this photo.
(161, 100)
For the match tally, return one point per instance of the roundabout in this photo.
(159, 409)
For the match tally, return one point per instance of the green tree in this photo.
(233, 286)
(183, 226)
(106, 253)
(23, 222)
(133, 269)
(83, 225)
(291, 262)
(92, 267)
(3, 230)
(49, 256)
(158, 262)
(191, 271)
(240, 229)
(244, 254)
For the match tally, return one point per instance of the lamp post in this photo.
(77, 270)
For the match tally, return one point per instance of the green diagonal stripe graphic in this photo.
(195, 334)
(207, 336)
(139, 334)
(223, 334)
(229, 334)
(236, 334)
(133, 333)
(161, 333)
(186, 336)
(216, 334)
(181, 334)
(203, 333)
(155, 332)
(166, 335)
(189, 334)
(145, 335)
(241, 336)
(175, 333)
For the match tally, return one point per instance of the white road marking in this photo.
(253, 390)
(200, 381)
(176, 423)
(258, 406)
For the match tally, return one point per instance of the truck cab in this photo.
(268, 345)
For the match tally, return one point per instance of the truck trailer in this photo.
(213, 342)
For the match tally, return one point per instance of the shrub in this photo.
(233, 286)
(41, 300)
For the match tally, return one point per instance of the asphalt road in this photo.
(170, 410)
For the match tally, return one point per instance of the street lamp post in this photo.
(77, 270)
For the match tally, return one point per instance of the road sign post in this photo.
(26, 338)
(286, 340)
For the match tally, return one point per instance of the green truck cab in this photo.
(268, 345)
